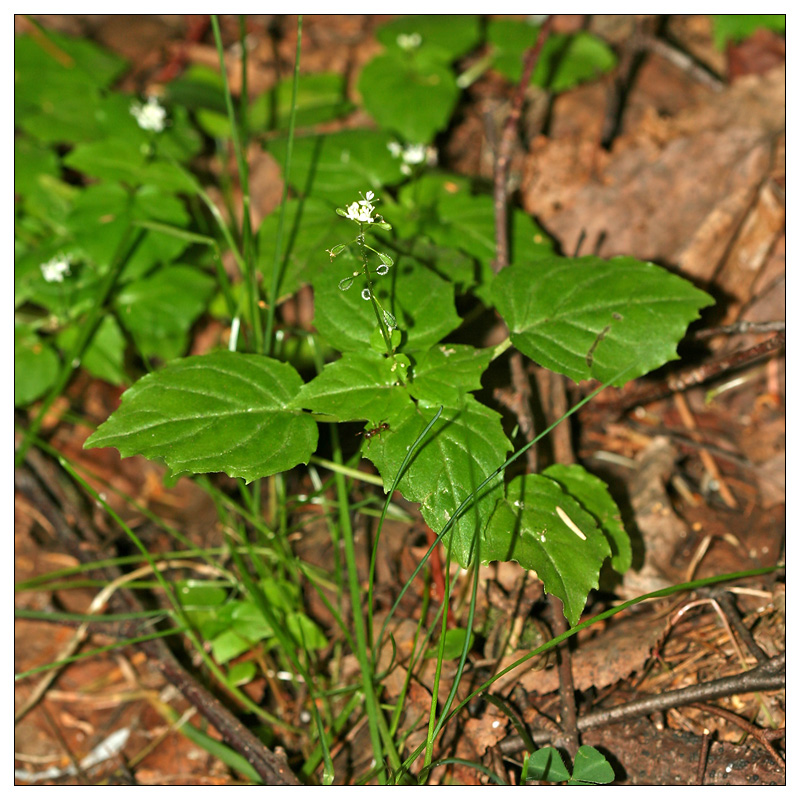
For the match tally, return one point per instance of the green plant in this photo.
(126, 264)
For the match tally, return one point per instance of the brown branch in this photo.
(39, 481)
(506, 145)
(767, 676)
(760, 734)
(698, 375)
(569, 738)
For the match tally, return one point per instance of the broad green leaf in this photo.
(36, 366)
(446, 372)
(358, 386)
(454, 639)
(104, 357)
(527, 527)
(546, 764)
(310, 228)
(465, 446)
(592, 318)
(221, 412)
(416, 102)
(421, 301)
(337, 166)
(590, 766)
(565, 60)
(442, 37)
(594, 497)
(159, 310)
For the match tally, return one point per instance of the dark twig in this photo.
(37, 479)
(569, 738)
(701, 766)
(727, 603)
(698, 375)
(760, 734)
(506, 146)
(740, 328)
(764, 677)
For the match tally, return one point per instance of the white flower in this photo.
(362, 210)
(412, 154)
(55, 269)
(409, 41)
(151, 116)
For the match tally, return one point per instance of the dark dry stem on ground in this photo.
(695, 376)
(768, 676)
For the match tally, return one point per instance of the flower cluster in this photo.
(151, 116)
(412, 155)
(362, 210)
(408, 41)
(55, 269)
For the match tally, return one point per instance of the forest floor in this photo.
(693, 178)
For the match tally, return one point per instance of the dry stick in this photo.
(727, 603)
(698, 375)
(569, 739)
(760, 734)
(768, 676)
(271, 766)
(701, 766)
(506, 145)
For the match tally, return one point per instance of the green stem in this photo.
(275, 280)
(367, 685)
(375, 307)
(241, 164)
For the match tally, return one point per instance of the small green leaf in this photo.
(399, 95)
(591, 766)
(249, 623)
(565, 60)
(241, 673)
(228, 645)
(592, 318)
(105, 355)
(305, 632)
(36, 366)
(446, 372)
(737, 27)
(221, 412)
(546, 764)
(454, 639)
(565, 548)
(198, 594)
(357, 386)
(594, 496)
(442, 37)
